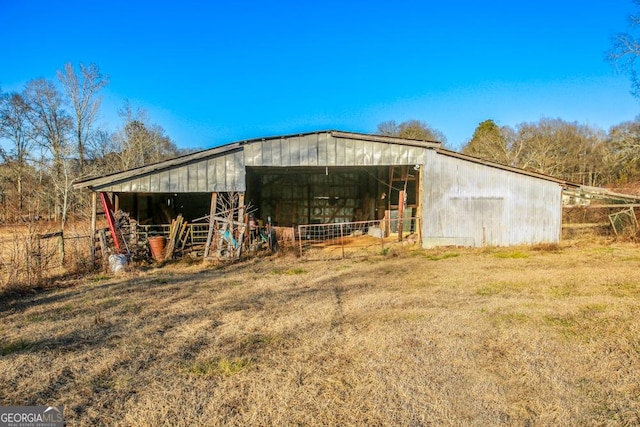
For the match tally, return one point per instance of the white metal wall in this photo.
(471, 204)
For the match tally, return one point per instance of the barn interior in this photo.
(294, 195)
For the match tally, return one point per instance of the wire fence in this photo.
(28, 259)
(352, 239)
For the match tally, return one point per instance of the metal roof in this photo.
(228, 149)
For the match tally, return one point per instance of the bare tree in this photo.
(141, 143)
(81, 90)
(624, 145)
(15, 127)
(411, 129)
(625, 50)
(562, 149)
(52, 127)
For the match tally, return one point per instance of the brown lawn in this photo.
(513, 336)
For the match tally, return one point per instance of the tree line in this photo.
(572, 151)
(52, 137)
(578, 153)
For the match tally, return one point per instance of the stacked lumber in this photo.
(177, 237)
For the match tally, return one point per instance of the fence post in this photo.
(61, 247)
(342, 240)
(92, 240)
(300, 238)
(38, 257)
(28, 253)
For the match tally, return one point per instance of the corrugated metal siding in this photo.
(323, 149)
(470, 204)
(222, 173)
(227, 172)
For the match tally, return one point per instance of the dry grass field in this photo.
(547, 335)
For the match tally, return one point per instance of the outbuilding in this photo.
(334, 177)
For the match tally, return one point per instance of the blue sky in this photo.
(215, 72)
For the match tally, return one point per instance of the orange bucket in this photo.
(156, 244)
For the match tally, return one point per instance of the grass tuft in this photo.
(289, 271)
(547, 247)
(14, 347)
(99, 278)
(218, 367)
(438, 257)
(512, 255)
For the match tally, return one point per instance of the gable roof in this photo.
(224, 165)
(231, 148)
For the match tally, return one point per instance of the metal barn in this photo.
(334, 177)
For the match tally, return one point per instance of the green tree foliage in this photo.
(490, 142)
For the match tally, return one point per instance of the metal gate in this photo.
(353, 239)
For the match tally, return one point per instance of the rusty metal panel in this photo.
(472, 204)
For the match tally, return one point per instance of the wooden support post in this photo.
(401, 197)
(241, 209)
(92, 240)
(104, 247)
(387, 223)
(212, 214)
